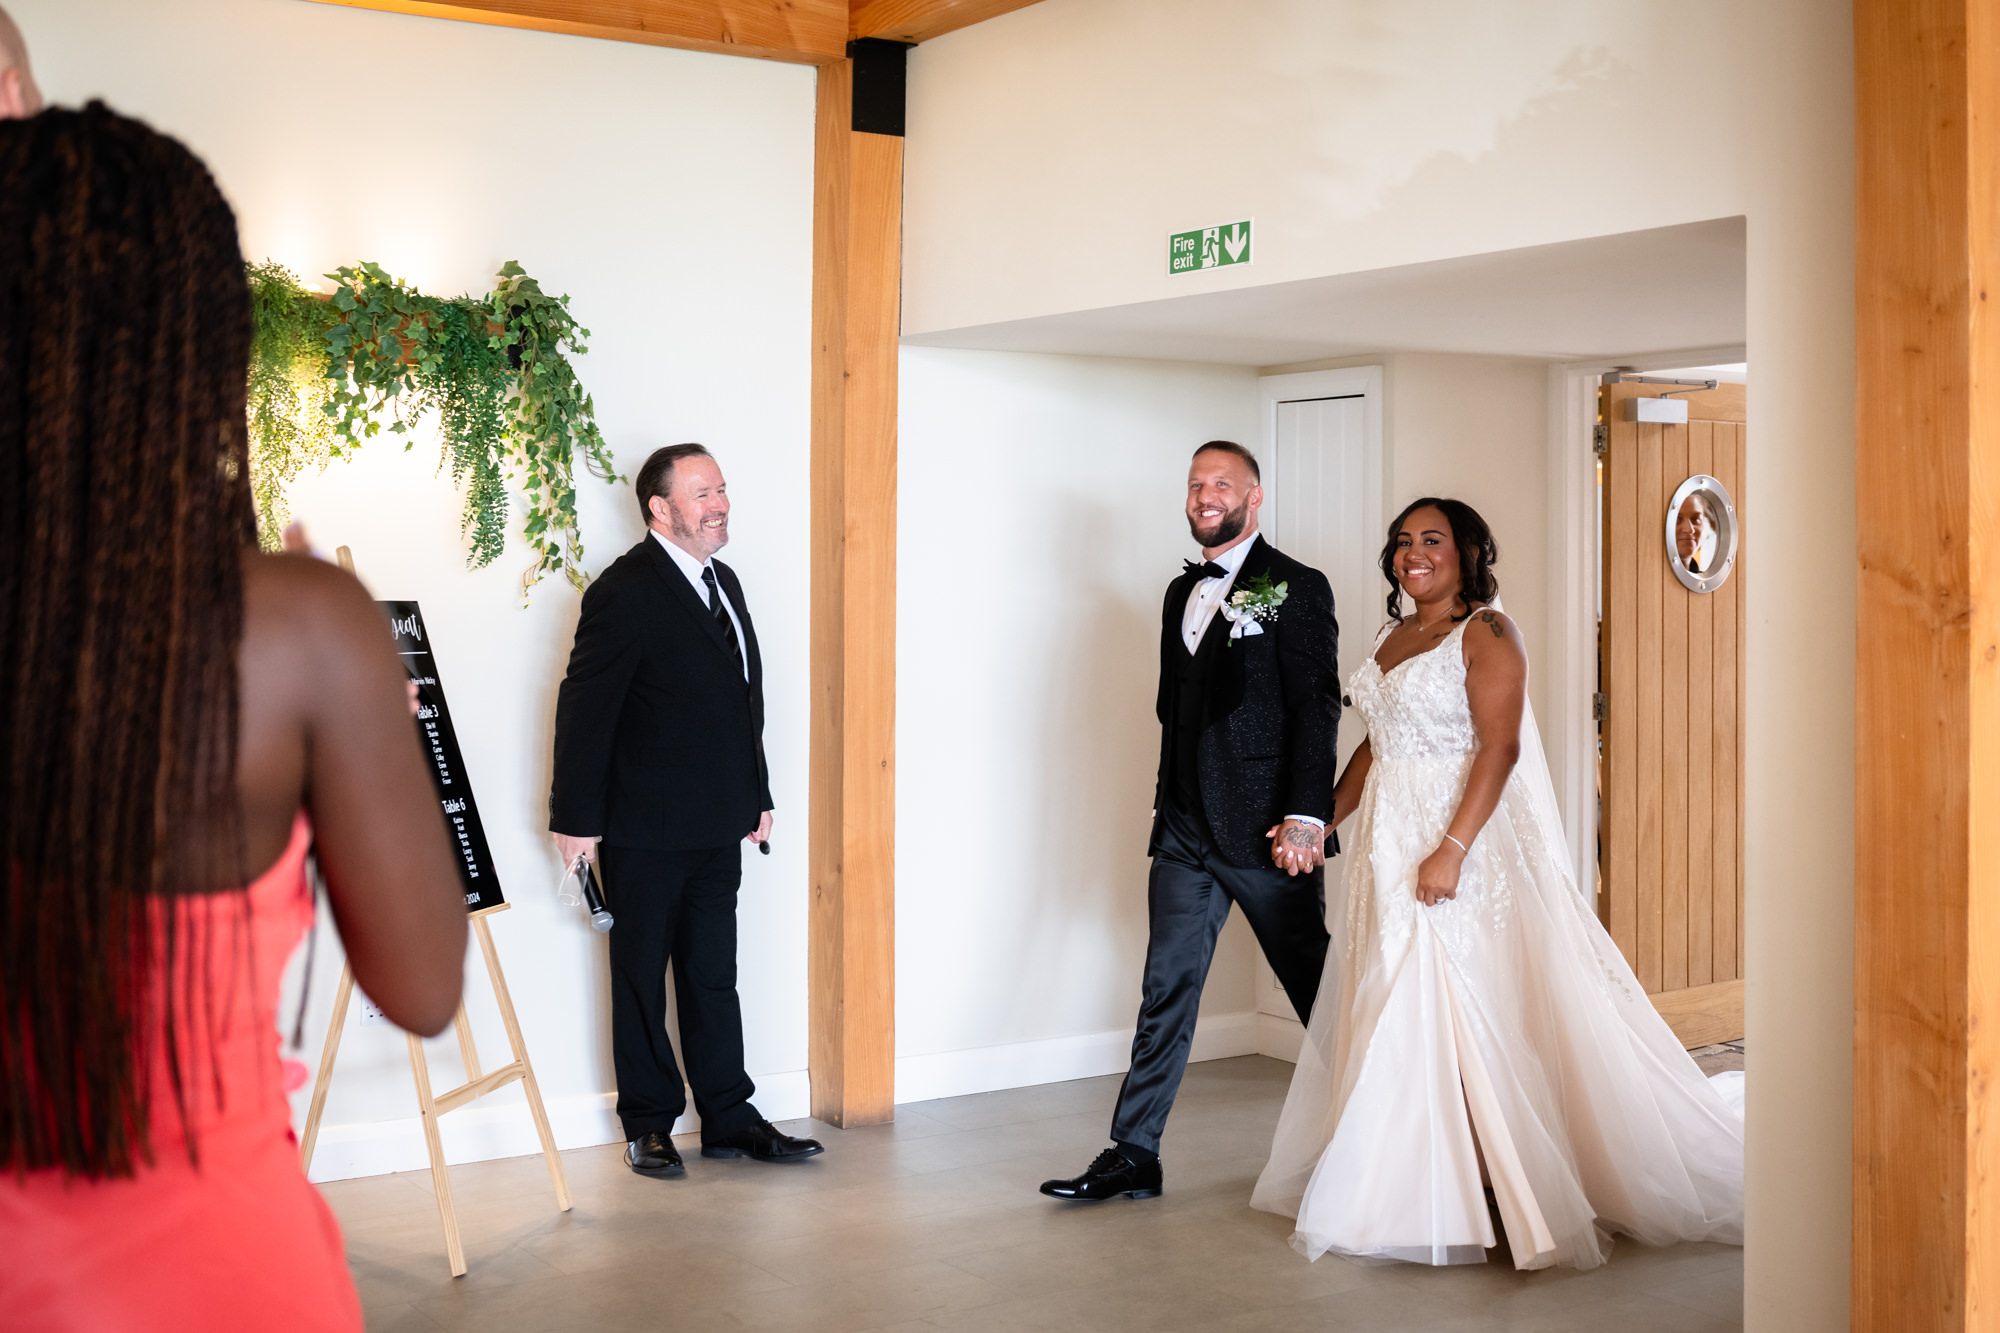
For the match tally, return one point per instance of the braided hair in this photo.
(1477, 553)
(125, 512)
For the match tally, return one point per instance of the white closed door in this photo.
(1321, 507)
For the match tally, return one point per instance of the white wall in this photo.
(1040, 521)
(1471, 428)
(669, 194)
(1052, 150)
(1475, 428)
(1799, 717)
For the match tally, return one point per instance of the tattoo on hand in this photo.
(1299, 837)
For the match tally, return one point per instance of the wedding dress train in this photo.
(1501, 1025)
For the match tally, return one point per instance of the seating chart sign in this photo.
(440, 742)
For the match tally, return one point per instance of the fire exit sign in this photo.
(1209, 247)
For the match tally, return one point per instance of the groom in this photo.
(1249, 703)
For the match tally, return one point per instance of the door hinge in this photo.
(1600, 707)
(1600, 439)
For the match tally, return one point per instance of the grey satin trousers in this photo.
(1188, 897)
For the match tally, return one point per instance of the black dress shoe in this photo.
(763, 1142)
(654, 1155)
(1111, 1175)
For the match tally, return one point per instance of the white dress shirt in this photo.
(692, 568)
(1206, 598)
(1208, 594)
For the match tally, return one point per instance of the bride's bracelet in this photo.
(1456, 843)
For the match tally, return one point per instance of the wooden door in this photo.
(1670, 730)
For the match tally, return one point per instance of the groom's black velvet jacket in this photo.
(1266, 708)
(659, 739)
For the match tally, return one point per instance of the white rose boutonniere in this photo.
(1255, 600)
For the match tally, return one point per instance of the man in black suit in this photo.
(660, 773)
(1249, 705)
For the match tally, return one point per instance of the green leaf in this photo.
(327, 374)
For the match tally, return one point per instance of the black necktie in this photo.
(721, 614)
(1207, 569)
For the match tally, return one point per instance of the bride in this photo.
(1475, 1023)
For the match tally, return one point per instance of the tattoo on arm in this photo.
(1492, 622)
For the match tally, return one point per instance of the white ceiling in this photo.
(1671, 287)
(1735, 373)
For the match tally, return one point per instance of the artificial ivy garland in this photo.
(496, 370)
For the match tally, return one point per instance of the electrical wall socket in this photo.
(371, 1013)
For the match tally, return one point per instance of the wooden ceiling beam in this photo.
(921, 20)
(807, 32)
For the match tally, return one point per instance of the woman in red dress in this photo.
(180, 717)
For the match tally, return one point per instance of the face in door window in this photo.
(1694, 534)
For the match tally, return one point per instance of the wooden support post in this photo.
(1926, 1247)
(857, 245)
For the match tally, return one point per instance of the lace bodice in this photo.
(1418, 708)
(1420, 731)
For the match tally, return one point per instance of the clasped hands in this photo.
(1297, 848)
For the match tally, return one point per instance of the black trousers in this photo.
(677, 907)
(1188, 898)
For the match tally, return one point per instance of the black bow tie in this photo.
(1206, 569)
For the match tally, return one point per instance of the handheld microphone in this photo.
(584, 872)
(593, 898)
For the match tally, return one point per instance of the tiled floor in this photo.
(1715, 1059)
(933, 1223)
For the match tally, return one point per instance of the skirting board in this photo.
(502, 1128)
(1280, 1037)
(923, 1078)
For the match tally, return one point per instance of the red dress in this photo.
(241, 1241)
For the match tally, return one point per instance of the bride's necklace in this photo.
(1424, 625)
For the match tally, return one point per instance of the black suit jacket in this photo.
(659, 740)
(1271, 709)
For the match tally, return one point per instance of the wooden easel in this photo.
(431, 1105)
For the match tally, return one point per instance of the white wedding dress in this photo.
(1503, 1024)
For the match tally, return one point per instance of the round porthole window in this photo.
(1701, 533)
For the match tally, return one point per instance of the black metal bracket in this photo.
(879, 83)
